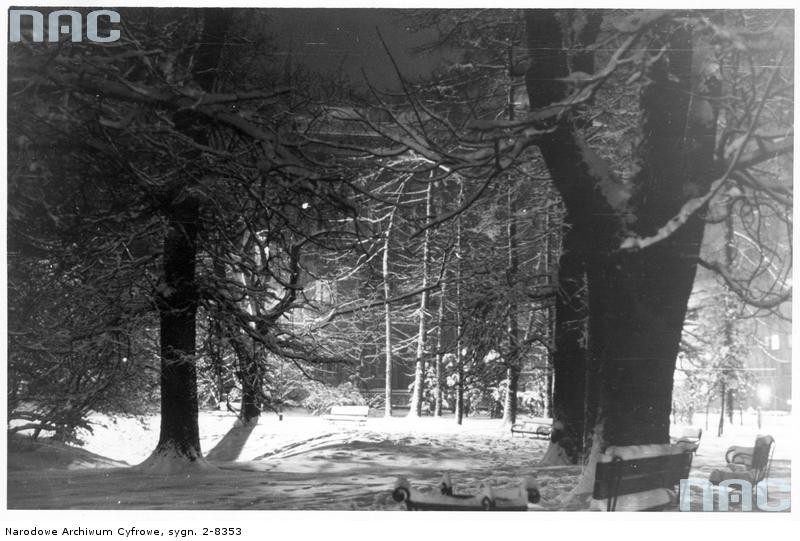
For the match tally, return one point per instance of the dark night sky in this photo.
(325, 39)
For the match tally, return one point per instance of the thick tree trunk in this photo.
(415, 409)
(250, 378)
(569, 357)
(179, 435)
(637, 306)
(642, 298)
(251, 397)
(637, 299)
(179, 440)
(643, 294)
(572, 399)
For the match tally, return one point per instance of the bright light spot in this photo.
(305, 206)
(764, 393)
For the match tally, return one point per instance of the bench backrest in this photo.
(692, 433)
(350, 410)
(762, 456)
(619, 477)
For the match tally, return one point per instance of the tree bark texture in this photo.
(179, 434)
(637, 299)
(569, 357)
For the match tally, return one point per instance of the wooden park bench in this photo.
(689, 435)
(641, 477)
(537, 427)
(356, 414)
(487, 499)
(749, 464)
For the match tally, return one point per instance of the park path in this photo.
(306, 463)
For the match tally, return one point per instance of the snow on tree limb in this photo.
(739, 160)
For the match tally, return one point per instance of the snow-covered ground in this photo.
(304, 462)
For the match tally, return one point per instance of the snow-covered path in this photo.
(304, 463)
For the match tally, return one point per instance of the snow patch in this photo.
(173, 463)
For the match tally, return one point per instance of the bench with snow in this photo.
(356, 414)
(689, 435)
(749, 464)
(487, 499)
(641, 477)
(537, 427)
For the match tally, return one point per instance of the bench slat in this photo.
(350, 410)
(348, 413)
(621, 477)
(538, 429)
(643, 466)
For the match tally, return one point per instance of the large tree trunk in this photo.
(249, 376)
(569, 358)
(179, 439)
(642, 297)
(571, 401)
(251, 391)
(637, 299)
(415, 409)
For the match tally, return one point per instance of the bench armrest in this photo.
(737, 454)
(737, 467)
